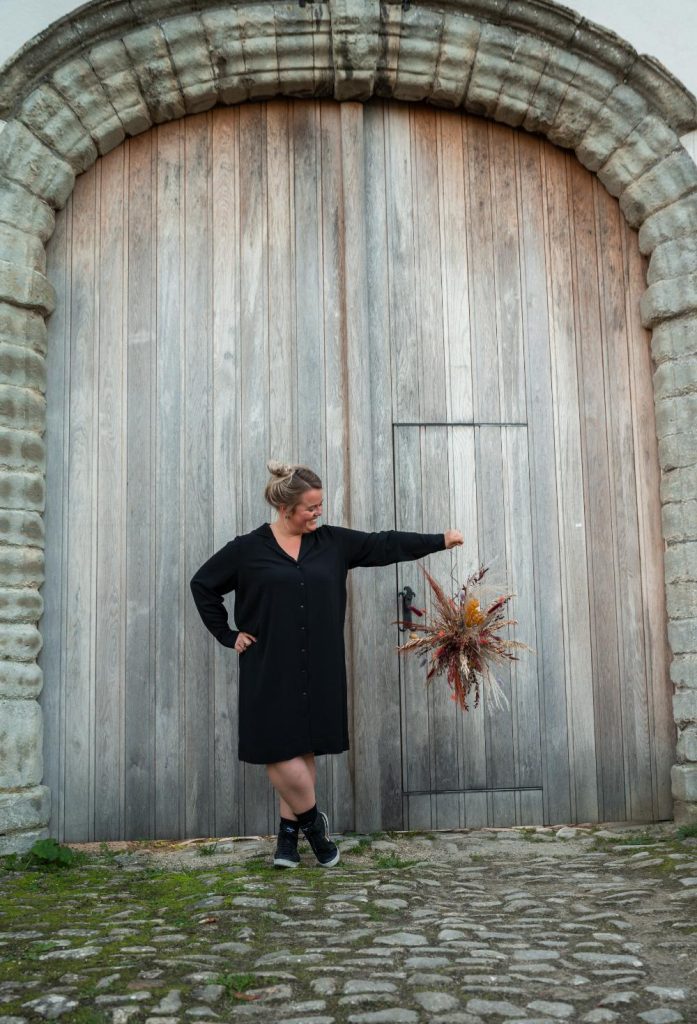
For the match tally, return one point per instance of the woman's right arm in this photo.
(216, 577)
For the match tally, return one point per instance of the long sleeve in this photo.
(386, 547)
(216, 577)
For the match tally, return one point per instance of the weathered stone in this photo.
(402, 939)
(354, 985)
(28, 808)
(21, 567)
(436, 1002)
(395, 1015)
(112, 65)
(188, 50)
(679, 522)
(682, 636)
(417, 59)
(608, 959)
(225, 42)
(21, 603)
(20, 679)
(559, 1011)
(520, 86)
(677, 994)
(662, 1015)
(22, 327)
(679, 484)
(20, 247)
(20, 641)
(675, 377)
(683, 671)
(147, 49)
(668, 181)
(645, 145)
(79, 85)
(673, 259)
(588, 91)
(21, 736)
(674, 339)
(355, 40)
(677, 450)
(684, 782)
(22, 490)
(23, 286)
(458, 46)
(494, 1007)
(666, 299)
(22, 408)
(684, 813)
(685, 708)
(681, 598)
(303, 49)
(23, 368)
(622, 111)
(672, 221)
(26, 160)
(52, 1005)
(494, 54)
(687, 742)
(49, 117)
(22, 449)
(24, 210)
(21, 841)
(600, 1016)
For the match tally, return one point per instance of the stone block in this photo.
(21, 567)
(258, 35)
(22, 327)
(20, 604)
(21, 528)
(622, 111)
(147, 49)
(419, 48)
(20, 842)
(25, 809)
(674, 339)
(21, 737)
(605, 47)
(553, 88)
(670, 222)
(304, 50)
(667, 299)
(18, 246)
(22, 408)
(680, 523)
(225, 42)
(670, 180)
(26, 160)
(673, 259)
(20, 641)
(687, 743)
(684, 814)
(682, 636)
(676, 415)
(19, 489)
(23, 286)
(79, 86)
(22, 367)
(683, 671)
(113, 67)
(458, 46)
(20, 679)
(355, 42)
(676, 377)
(494, 55)
(49, 117)
(684, 782)
(679, 485)
(681, 598)
(680, 562)
(559, 24)
(588, 91)
(24, 210)
(22, 449)
(522, 82)
(677, 450)
(388, 56)
(188, 49)
(685, 707)
(645, 145)
(665, 93)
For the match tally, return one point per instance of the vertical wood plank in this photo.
(80, 584)
(170, 562)
(228, 450)
(111, 432)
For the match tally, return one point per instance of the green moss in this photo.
(391, 860)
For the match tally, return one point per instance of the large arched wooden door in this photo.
(206, 275)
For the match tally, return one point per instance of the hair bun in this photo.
(279, 469)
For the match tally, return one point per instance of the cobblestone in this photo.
(473, 927)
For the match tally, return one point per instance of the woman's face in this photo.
(304, 517)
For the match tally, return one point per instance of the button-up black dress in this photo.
(292, 681)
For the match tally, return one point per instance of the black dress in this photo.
(292, 681)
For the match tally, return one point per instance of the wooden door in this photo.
(439, 315)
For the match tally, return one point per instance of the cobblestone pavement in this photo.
(459, 928)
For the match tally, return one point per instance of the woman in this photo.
(289, 579)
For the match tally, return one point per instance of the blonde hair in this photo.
(288, 484)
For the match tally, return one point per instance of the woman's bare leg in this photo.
(294, 781)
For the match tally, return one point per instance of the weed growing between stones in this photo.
(391, 860)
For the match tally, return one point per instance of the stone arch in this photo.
(113, 69)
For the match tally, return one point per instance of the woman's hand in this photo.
(453, 538)
(243, 641)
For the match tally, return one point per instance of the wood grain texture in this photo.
(440, 315)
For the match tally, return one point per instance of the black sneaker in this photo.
(317, 835)
(286, 853)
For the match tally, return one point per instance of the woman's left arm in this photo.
(389, 546)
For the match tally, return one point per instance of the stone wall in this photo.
(116, 67)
